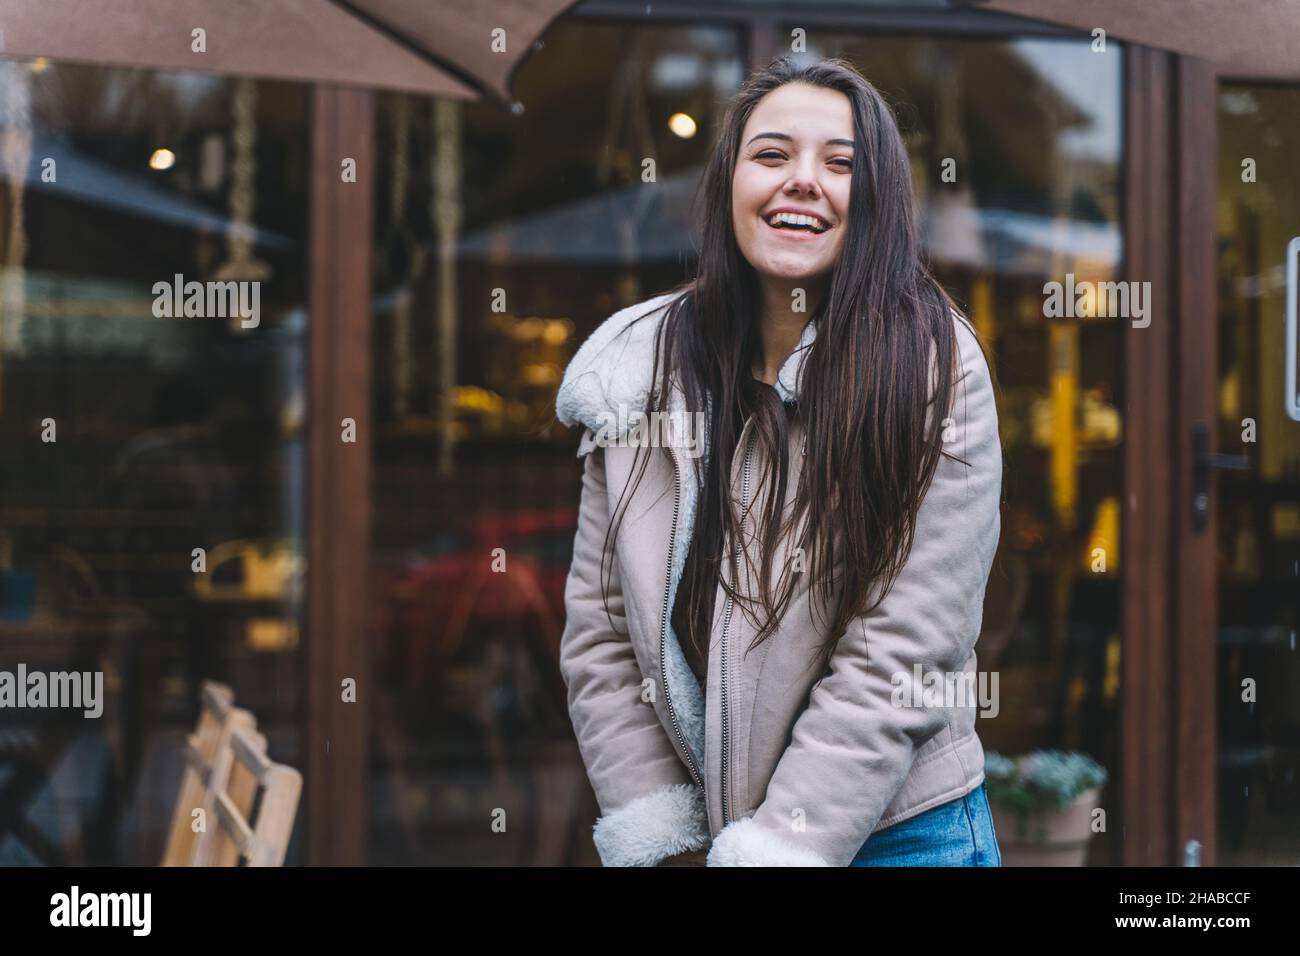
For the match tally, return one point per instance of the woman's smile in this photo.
(795, 233)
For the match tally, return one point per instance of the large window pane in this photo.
(133, 433)
(1257, 675)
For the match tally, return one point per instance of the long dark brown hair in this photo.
(865, 391)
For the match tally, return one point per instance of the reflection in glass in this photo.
(133, 434)
(1258, 670)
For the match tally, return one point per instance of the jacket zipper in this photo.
(663, 633)
(726, 624)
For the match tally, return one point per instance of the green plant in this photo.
(1044, 780)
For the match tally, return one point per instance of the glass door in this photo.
(1257, 477)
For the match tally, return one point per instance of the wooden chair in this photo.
(255, 807)
(208, 746)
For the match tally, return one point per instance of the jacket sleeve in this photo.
(851, 748)
(651, 809)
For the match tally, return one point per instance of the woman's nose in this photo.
(804, 181)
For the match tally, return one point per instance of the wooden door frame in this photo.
(1146, 556)
(1171, 613)
(1195, 595)
(1168, 704)
(338, 493)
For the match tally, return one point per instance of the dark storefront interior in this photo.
(499, 242)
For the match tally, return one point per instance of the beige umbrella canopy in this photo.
(437, 47)
(459, 34)
(1259, 38)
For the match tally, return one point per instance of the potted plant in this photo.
(1042, 805)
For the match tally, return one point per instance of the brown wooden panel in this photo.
(1148, 427)
(339, 475)
(1170, 612)
(1197, 591)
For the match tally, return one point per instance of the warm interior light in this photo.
(162, 159)
(40, 64)
(682, 125)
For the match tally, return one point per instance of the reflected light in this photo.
(40, 64)
(557, 332)
(682, 125)
(162, 159)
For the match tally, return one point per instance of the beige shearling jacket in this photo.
(769, 770)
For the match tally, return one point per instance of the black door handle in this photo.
(1202, 464)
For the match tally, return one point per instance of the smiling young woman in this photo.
(789, 199)
(739, 621)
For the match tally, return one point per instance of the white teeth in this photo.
(798, 220)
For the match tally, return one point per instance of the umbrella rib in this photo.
(401, 39)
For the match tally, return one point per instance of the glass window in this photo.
(151, 351)
(1258, 552)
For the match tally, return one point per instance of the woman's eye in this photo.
(773, 154)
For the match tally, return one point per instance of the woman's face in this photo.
(796, 154)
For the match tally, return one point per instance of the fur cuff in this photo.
(653, 827)
(744, 843)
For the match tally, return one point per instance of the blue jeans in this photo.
(957, 833)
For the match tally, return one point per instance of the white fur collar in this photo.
(610, 374)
